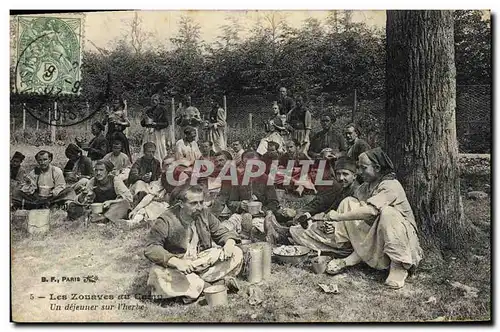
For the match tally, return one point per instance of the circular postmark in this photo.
(49, 55)
(48, 78)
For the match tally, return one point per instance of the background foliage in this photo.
(324, 61)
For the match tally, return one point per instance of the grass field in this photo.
(291, 295)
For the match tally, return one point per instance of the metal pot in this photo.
(292, 259)
(44, 191)
(254, 207)
(216, 295)
(319, 264)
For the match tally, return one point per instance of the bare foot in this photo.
(352, 259)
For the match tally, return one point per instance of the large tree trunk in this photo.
(420, 118)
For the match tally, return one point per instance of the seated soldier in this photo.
(276, 127)
(44, 186)
(186, 148)
(221, 158)
(120, 160)
(257, 189)
(312, 235)
(294, 157)
(292, 154)
(327, 137)
(329, 158)
(109, 190)
(237, 151)
(377, 222)
(355, 144)
(271, 155)
(180, 244)
(156, 201)
(78, 169)
(145, 170)
(98, 146)
(214, 182)
(16, 172)
(206, 149)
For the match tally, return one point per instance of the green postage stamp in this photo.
(48, 54)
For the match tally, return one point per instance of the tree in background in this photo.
(311, 60)
(136, 34)
(472, 47)
(186, 58)
(420, 119)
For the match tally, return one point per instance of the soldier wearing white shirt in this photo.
(187, 148)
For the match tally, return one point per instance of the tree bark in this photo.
(420, 119)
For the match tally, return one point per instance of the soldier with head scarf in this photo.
(378, 222)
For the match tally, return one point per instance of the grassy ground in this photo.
(291, 295)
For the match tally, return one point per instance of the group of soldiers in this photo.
(361, 215)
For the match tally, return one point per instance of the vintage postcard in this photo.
(251, 166)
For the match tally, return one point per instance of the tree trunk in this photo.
(420, 119)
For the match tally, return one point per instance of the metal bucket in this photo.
(216, 295)
(38, 221)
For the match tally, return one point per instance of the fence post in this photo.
(125, 113)
(250, 122)
(87, 129)
(355, 105)
(53, 127)
(24, 116)
(172, 125)
(224, 101)
(37, 124)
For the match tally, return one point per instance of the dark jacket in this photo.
(98, 147)
(222, 198)
(143, 166)
(297, 157)
(327, 139)
(169, 236)
(159, 115)
(268, 159)
(357, 148)
(330, 199)
(84, 166)
(285, 104)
